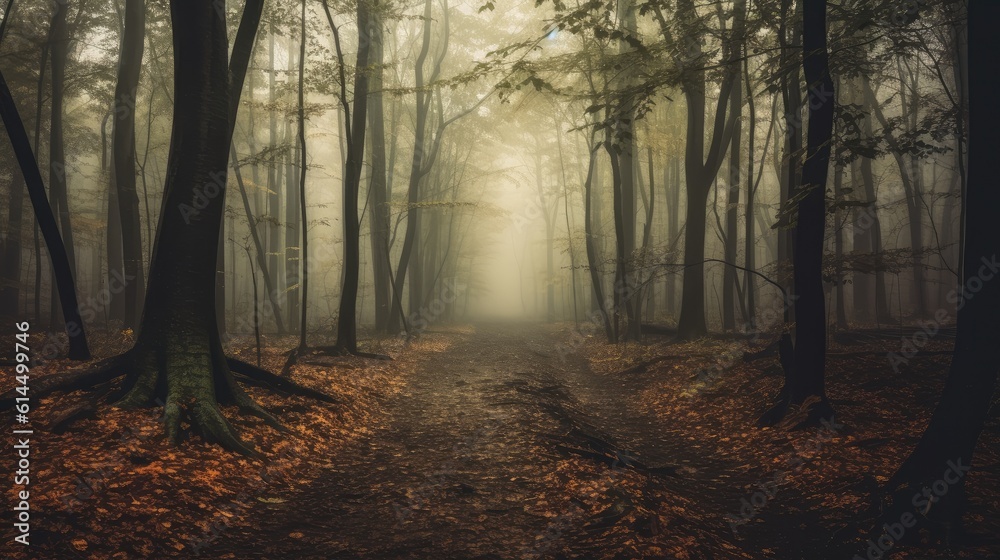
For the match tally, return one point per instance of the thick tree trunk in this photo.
(951, 437)
(178, 355)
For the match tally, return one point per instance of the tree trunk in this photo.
(10, 249)
(347, 329)
(729, 286)
(178, 356)
(592, 256)
(62, 271)
(791, 93)
(810, 326)
(293, 253)
(275, 215)
(838, 242)
(406, 255)
(378, 224)
(672, 182)
(700, 171)
(951, 437)
(914, 212)
(882, 314)
(59, 52)
(749, 234)
(123, 171)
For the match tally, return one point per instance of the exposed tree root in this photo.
(772, 416)
(643, 366)
(333, 351)
(101, 372)
(337, 351)
(271, 380)
(812, 412)
(192, 394)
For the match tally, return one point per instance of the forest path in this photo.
(472, 463)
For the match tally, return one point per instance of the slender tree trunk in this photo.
(62, 271)
(406, 257)
(569, 226)
(838, 241)
(914, 212)
(673, 186)
(293, 253)
(791, 167)
(810, 317)
(732, 206)
(123, 172)
(749, 234)
(700, 171)
(873, 222)
(272, 293)
(275, 214)
(729, 280)
(378, 224)
(647, 235)
(59, 52)
(10, 265)
(592, 255)
(347, 329)
(862, 283)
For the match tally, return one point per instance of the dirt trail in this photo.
(468, 461)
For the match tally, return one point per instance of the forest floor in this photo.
(499, 441)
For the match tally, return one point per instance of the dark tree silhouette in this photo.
(804, 381)
(78, 348)
(951, 437)
(123, 172)
(178, 358)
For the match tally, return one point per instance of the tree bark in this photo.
(957, 422)
(592, 256)
(378, 225)
(347, 330)
(59, 53)
(123, 171)
(810, 317)
(62, 271)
